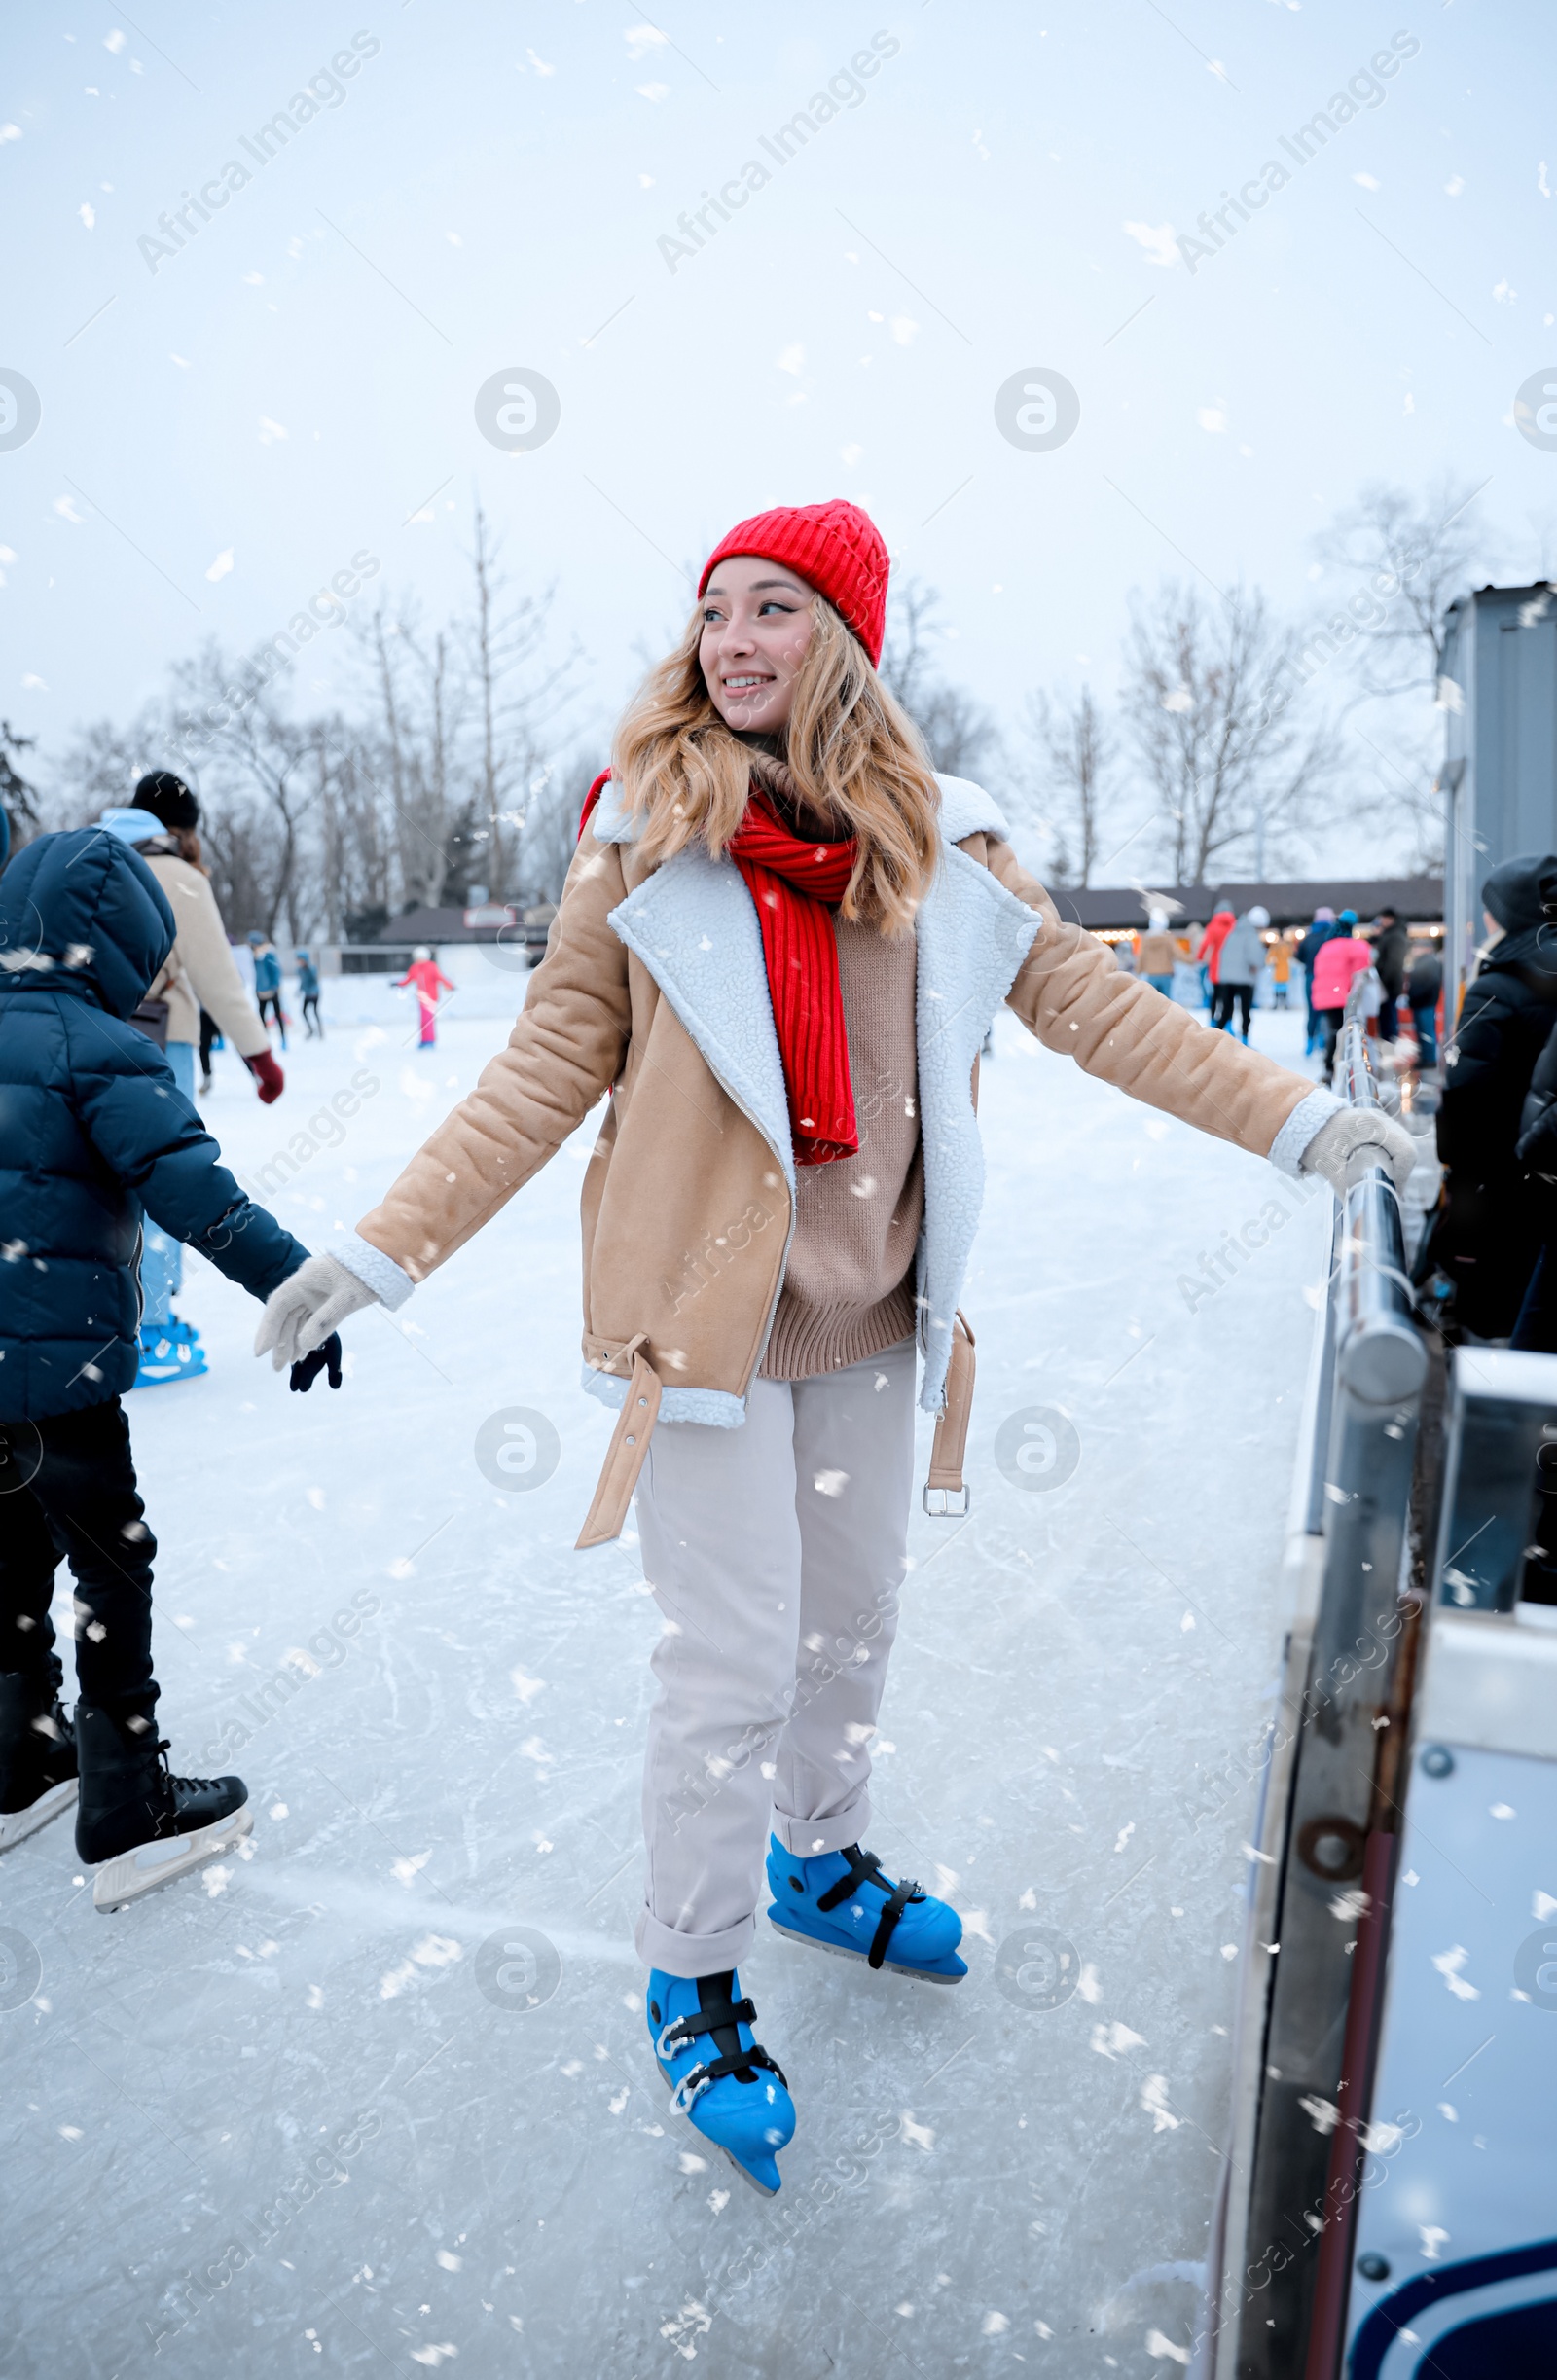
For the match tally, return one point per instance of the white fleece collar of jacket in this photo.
(966, 810)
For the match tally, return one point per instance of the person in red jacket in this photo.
(428, 978)
(1211, 948)
(1337, 966)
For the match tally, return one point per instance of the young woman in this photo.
(782, 941)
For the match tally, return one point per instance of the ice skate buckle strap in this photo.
(945, 1478)
(684, 2030)
(624, 1457)
(734, 2062)
(865, 1868)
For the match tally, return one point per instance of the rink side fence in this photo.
(1325, 1840)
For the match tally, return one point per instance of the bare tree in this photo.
(1234, 760)
(1542, 524)
(551, 827)
(516, 695)
(260, 761)
(1075, 751)
(1407, 557)
(961, 735)
(98, 767)
(411, 761)
(18, 797)
(906, 667)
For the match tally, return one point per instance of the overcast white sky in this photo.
(221, 435)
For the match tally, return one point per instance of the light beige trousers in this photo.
(776, 1552)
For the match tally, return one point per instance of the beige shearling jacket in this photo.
(652, 995)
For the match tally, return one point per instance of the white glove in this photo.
(306, 1308)
(1348, 1143)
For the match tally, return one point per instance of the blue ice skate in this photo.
(737, 2098)
(840, 1902)
(168, 1350)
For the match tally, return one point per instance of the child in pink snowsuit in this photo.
(427, 978)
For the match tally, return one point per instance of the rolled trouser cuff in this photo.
(807, 1838)
(691, 1953)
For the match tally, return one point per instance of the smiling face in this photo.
(756, 625)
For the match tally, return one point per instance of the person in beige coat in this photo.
(779, 946)
(162, 824)
(1156, 952)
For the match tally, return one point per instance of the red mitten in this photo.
(268, 1075)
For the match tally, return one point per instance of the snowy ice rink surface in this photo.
(297, 2116)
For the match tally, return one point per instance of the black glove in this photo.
(306, 1370)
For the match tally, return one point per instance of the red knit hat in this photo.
(835, 547)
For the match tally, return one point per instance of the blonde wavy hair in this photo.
(855, 757)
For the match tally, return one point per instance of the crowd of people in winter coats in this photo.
(1486, 1266)
(1233, 953)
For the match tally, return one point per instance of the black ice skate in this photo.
(147, 1826)
(37, 1757)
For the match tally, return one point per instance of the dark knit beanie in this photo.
(169, 799)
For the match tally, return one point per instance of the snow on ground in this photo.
(380, 2094)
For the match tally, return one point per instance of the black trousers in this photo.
(1227, 995)
(269, 1004)
(67, 1492)
(1329, 1023)
(209, 1029)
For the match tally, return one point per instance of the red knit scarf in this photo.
(796, 886)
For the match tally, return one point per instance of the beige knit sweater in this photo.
(849, 1286)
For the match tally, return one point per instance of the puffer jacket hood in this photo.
(1522, 892)
(81, 912)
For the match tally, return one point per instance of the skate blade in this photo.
(841, 1950)
(17, 1824)
(719, 2147)
(136, 1873)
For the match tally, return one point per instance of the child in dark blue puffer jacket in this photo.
(94, 1135)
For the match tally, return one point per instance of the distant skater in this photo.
(427, 979)
(268, 982)
(309, 990)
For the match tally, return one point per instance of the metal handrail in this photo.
(1380, 1357)
(1334, 1856)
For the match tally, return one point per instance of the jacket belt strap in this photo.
(624, 1457)
(951, 1431)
